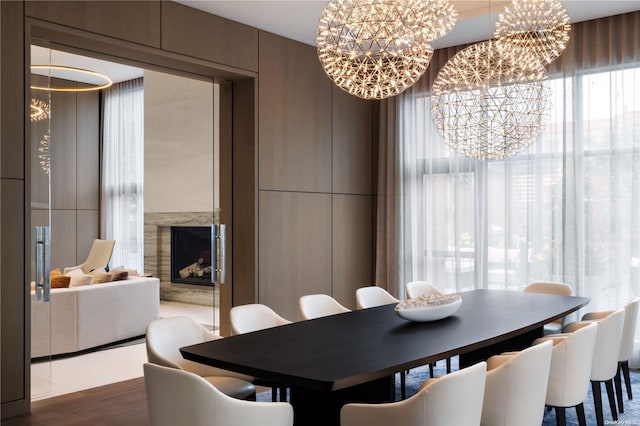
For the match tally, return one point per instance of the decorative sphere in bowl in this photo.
(429, 307)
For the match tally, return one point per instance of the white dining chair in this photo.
(372, 296)
(570, 371)
(254, 317)
(453, 399)
(319, 305)
(166, 336)
(626, 349)
(517, 386)
(177, 397)
(605, 358)
(421, 288)
(549, 287)
(626, 346)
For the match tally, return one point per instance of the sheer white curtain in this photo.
(567, 209)
(123, 172)
(564, 210)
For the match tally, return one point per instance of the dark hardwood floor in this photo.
(121, 404)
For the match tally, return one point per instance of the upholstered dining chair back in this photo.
(607, 351)
(517, 386)
(548, 287)
(369, 297)
(628, 329)
(98, 257)
(177, 397)
(319, 305)
(453, 399)
(254, 317)
(607, 346)
(570, 371)
(626, 347)
(420, 288)
(626, 350)
(166, 336)
(605, 358)
(626, 343)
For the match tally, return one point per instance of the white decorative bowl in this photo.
(429, 308)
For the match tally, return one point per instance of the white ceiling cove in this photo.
(298, 19)
(116, 72)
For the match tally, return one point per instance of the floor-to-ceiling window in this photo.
(123, 172)
(565, 209)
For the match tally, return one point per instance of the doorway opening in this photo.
(71, 195)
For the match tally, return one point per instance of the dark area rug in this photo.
(631, 415)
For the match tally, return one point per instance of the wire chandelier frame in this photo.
(374, 49)
(533, 30)
(488, 106)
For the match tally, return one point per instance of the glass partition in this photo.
(126, 163)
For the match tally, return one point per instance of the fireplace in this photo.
(191, 255)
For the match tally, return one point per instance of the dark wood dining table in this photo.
(353, 357)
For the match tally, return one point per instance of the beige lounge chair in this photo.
(98, 257)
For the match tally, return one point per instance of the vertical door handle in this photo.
(43, 262)
(47, 263)
(218, 250)
(39, 249)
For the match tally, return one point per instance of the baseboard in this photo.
(15, 408)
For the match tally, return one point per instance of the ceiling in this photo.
(298, 19)
(116, 72)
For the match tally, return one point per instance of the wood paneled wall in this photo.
(14, 295)
(295, 248)
(134, 21)
(352, 144)
(74, 151)
(303, 190)
(245, 195)
(352, 245)
(315, 181)
(195, 33)
(13, 203)
(295, 117)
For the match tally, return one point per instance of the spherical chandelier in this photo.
(374, 49)
(533, 30)
(489, 106)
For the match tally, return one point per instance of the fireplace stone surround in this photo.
(157, 255)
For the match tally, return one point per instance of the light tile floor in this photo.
(100, 368)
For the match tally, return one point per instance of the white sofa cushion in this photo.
(116, 310)
(80, 318)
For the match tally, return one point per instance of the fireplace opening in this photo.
(191, 255)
